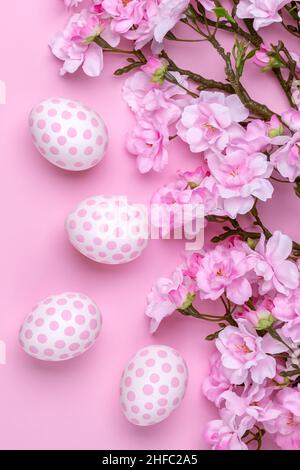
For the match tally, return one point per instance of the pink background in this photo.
(75, 404)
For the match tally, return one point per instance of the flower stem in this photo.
(193, 312)
(251, 36)
(290, 373)
(204, 83)
(253, 106)
(259, 222)
(107, 48)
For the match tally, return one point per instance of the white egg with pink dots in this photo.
(153, 385)
(61, 327)
(108, 229)
(68, 134)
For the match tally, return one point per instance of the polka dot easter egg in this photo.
(153, 385)
(108, 229)
(68, 134)
(61, 327)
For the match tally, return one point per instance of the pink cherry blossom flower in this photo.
(240, 178)
(251, 404)
(272, 266)
(163, 103)
(286, 426)
(226, 433)
(152, 19)
(211, 121)
(245, 355)
(178, 203)
(287, 158)
(216, 382)
(167, 295)
(224, 269)
(124, 14)
(75, 46)
(263, 12)
(149, 141)
(157, 109)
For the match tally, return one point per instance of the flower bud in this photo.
(266, 59)
(265, 321)
(156, 68)
(188, 301)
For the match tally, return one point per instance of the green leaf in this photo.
(211, 337)
(293, 12)
(251, 54)
(221, 12)
(126, 69)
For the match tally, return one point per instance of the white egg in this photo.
(68, 134)
(61, 327)
(153, 385)
(107, 229)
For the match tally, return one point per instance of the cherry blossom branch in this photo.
(193, 312)
(133, 64)
(233, 77)
(204, 83)
(290, 373)
(224, 26)
(291, 66)
(251, 36)
(258, 109)
(245, 235)
(293, 12)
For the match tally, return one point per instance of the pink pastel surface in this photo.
(75, 404)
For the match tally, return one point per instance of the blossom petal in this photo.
(239, 291)
(93, 62)
(288, 274)
(279, 247)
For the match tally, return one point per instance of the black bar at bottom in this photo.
(140, 458)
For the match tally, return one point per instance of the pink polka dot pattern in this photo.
(149, 394)
(57, 329)
(64, 133)
(108, 230)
